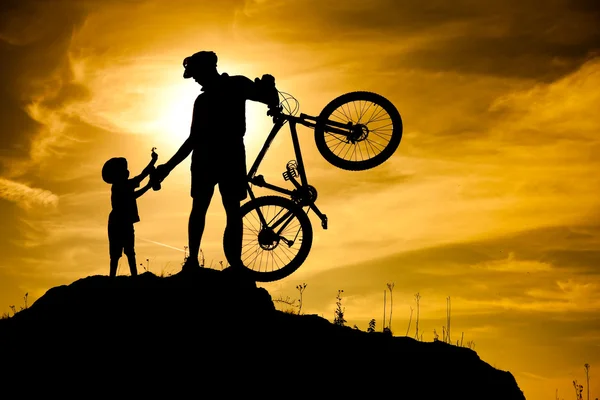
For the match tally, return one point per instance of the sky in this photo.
(491, 198)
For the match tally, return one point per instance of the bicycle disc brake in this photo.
(358, 133)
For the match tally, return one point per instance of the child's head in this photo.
(115, 170)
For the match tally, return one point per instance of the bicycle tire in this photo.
(321, 136)
(251, 246)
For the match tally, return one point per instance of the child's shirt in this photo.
(123, 201)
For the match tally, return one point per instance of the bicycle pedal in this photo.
(324, 222)
(290, 173)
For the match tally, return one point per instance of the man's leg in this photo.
(114, 264)
(197, 220)
(233, 230)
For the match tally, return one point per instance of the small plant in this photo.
(202, 260)
(409, 321)
(14, 308)
(339, 311)
(391, 289)
(417, 298)
(578, 390)
(448, 319)
(371, 327)
(586, 367)
(286, 302)
(436, 337)
(163, 270)
(301, 290)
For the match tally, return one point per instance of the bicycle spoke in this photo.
(386, 118)
(382, 127)
(364, 112)
(379, 135)
(332, 138)
(374, 115)
(337, 145)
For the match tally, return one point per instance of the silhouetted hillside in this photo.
(211, 335)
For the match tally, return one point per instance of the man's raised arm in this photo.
(165, 169)
(263, 90)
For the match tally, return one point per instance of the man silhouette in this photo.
(216, 142)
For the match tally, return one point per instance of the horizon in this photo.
(491, 198)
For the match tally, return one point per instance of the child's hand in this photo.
(154, 155)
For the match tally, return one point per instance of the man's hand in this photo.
(274, 111)
(161, 172)
(268, 80)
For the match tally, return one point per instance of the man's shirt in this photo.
(219, 117)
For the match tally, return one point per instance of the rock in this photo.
(215, 334)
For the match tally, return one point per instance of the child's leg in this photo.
(115, 247)
(129, 250)
(132, 263)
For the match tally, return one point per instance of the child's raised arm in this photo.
(137, 180)
(143, 190)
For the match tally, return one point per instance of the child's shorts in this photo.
(121, 239)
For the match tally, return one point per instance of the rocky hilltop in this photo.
(214, 334)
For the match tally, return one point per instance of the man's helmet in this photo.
(199, 61)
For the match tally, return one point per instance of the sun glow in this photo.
(174, 118)
(175, 106)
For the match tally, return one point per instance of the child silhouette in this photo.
(124, 212)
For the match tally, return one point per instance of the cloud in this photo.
(512, 264)
(35, 77)
(25, 196)
(51, 49)
(497, 38)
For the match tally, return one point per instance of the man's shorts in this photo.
(121, 239)
(229, 172)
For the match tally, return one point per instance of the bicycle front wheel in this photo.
(375, 133)
(277, 236)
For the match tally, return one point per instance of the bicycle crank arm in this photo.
(322, 216)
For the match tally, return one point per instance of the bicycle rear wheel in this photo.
(375, 134)
(274, 250)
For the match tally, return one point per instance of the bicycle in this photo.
(278, 227)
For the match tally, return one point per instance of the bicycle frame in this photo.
(302, 186)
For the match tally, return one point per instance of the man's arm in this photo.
(262, 90)
(186, 148)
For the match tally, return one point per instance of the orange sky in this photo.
(491, 199)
